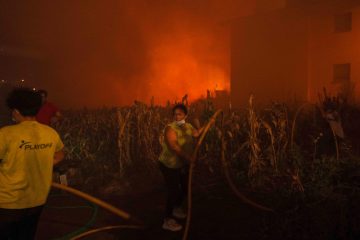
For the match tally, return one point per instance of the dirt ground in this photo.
(215, 216)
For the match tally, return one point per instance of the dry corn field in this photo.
(284, 156)
(265, 148)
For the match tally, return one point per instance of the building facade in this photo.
(295, 50)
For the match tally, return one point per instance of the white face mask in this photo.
(13, 116)
(180, 123)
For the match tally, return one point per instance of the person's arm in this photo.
(58, 115)
(56, 118)
(171, 141)
(197, 132)
(2, 146)
(59, 151)
(59, 156)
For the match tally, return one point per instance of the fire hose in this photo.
(127, 216)
(84, 227)
(241, 196)
(95, 200)
(224, 165)
(102, 204)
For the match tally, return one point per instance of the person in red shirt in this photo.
(48, 112)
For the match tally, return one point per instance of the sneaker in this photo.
(171, 225)
(179, 213)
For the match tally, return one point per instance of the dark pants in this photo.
(19, 224)
(176, 181)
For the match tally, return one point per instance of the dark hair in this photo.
(180, 106)
(43, 92)
(25, 100)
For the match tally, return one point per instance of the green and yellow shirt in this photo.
(185, 140)
(27, 154)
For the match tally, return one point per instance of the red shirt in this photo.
(46, 113)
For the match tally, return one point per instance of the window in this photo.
(343, 22)
(342, 72)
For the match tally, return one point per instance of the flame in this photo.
(180, 53)
(178, 69)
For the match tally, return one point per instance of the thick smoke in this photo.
(112, 52)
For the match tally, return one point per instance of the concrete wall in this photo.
(286, 54)
(269, 57)
(327, 48)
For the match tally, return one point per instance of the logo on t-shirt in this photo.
(30, 146)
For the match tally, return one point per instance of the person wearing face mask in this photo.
(177, 148)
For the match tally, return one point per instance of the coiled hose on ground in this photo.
(83, 228)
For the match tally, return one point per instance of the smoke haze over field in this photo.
(111, 52)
